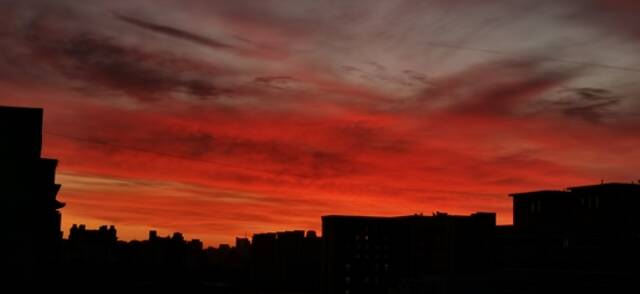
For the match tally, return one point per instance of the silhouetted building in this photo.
(90, 251)
(264, 257)
(374, 254)
(591, 234)
(103, 235)
(595, 216)
(30, 217)
(243, 245)
(604, 207)
(243, 253)
(287, 260)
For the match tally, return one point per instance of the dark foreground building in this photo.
(30, 217)
(286, 261)
(378, 254)
(597, 208)
(583, 239)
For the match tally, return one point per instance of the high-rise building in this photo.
(31, 218)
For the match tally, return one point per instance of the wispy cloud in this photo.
(175, 33)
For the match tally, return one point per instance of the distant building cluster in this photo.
(579, 240)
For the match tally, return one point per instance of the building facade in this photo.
(29, 191)
(592, 229)
(375, 254)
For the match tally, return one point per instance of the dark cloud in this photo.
(270, 79)
(276, 82)
(417, 77)
(590, 104)
(493, 89)
(362, 136)
(351, 69)
(47, 46)
(105, 66)
(375, 73)
(211, 143)
(292, 159)
(175, 33)
(139, 74)
(376, 66)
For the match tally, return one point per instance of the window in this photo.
(535, 206)
(593, 202)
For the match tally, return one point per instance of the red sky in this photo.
(225, 118)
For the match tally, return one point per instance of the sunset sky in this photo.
(225, 118)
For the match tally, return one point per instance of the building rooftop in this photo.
(628, 187)
(412, 216)
(614, 186)
(538, 193)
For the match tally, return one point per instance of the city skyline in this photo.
(250, 235)
(220, 118)
(582, 238)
